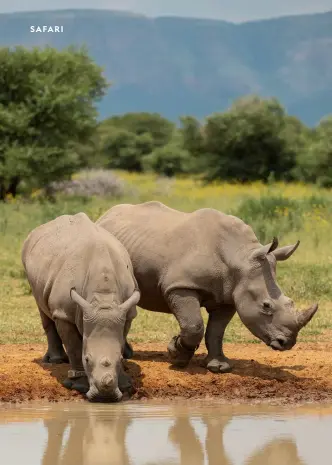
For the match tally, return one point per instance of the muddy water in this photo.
(160, 433)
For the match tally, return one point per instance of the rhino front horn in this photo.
(133, 300)
(79, 300)
(304, 317)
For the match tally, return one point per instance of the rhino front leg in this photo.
(185, 305)
(217, 323)
(128, 350)
(125, 382)
(72, 341)
(55, 352)
(55, 436)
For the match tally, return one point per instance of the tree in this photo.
(169, 160)
(248, 142)
(125, 150)
(47, 108)
(160, 128)
(192, 135)
(315, 159)
(127, 139)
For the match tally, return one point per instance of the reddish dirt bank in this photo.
(303, 374)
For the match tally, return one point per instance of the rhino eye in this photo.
(267, 308)
(87, 359)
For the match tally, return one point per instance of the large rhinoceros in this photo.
(82, 280)
(184, 261)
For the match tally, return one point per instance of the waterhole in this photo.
(187, 433)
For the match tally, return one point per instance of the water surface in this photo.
(188, 433)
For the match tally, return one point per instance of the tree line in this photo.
(49, 130)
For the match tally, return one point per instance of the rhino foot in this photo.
(218, 364)
(128, 351)
(180, 356)
(77, 384)
(56, 358)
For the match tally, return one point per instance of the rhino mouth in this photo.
(93, 395)
(281, 344)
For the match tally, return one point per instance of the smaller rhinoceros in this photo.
(82, 280)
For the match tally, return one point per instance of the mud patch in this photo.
(259, 374)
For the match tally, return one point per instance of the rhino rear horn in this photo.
(86, 307)
(133, 300)
(305, 316)
(283, 253)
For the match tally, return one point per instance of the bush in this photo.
(168, 160)
(89, 183)
(156, 126)
(270, 216)
(276, 215)
(125, 150)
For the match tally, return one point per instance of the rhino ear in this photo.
(283, 253)
(262, 252)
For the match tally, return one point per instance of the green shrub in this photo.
(270, 216)
(168, 160)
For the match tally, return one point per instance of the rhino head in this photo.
(263, 308)
(103, 342)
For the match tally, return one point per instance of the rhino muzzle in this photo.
(305, 316)
(282, 343)
(95, 395)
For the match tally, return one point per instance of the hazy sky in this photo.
(230, 10)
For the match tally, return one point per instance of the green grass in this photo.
(289, 211)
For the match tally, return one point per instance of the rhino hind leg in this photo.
(55, 352)
(72, 340)
(219, 318)
(55, 359)
(185, 306)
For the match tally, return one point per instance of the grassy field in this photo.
(290, 212)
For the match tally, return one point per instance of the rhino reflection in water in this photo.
(96, 439)
(185, 261)
(92, 440)
(278, 452)
(191, 450)
(105, 441)
(183, 436)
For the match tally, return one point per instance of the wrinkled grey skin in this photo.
(185, 261)
(83, 283)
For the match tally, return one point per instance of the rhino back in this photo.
(171, 249)
(71, 251)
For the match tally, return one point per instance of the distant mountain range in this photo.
(177, 66)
